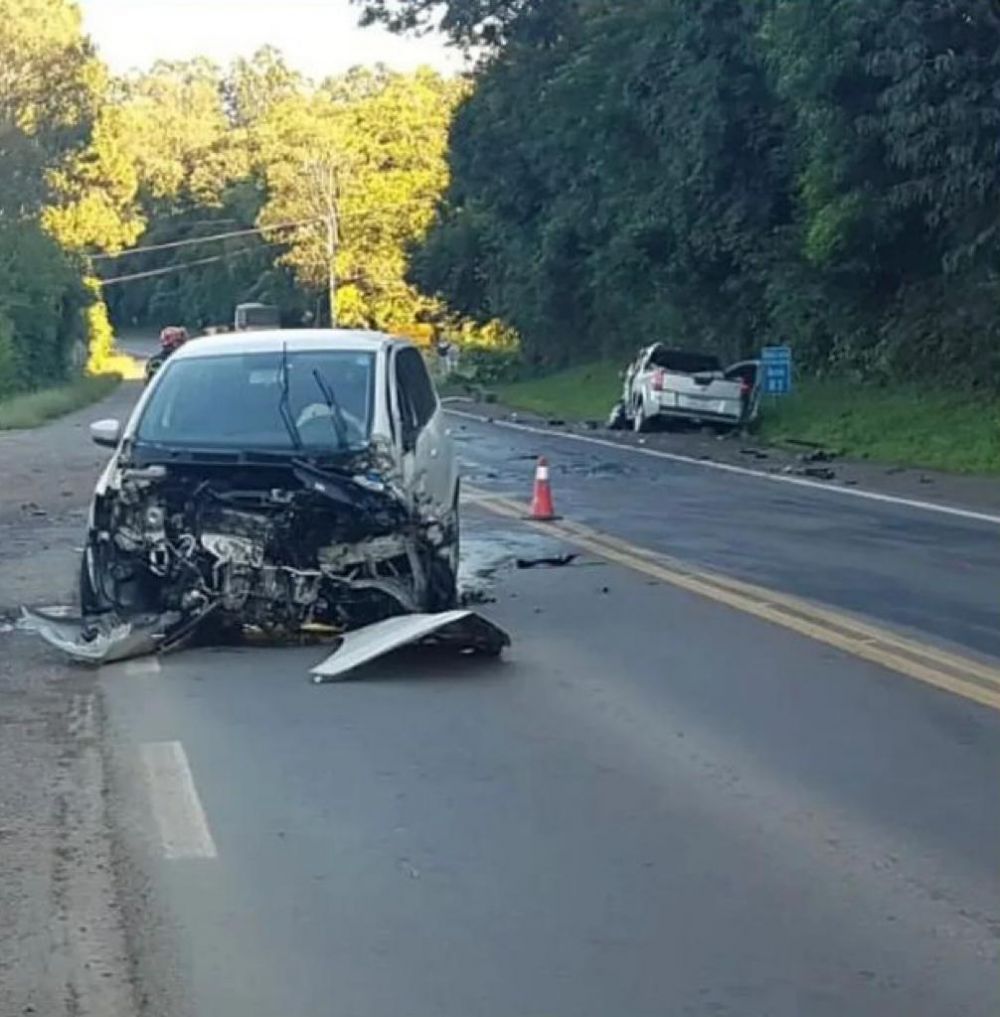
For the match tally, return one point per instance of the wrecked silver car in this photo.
(670, 385)
(278, 480)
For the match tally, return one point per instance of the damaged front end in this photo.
(180, 542)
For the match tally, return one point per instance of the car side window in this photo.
(415, 389)
(404, 400)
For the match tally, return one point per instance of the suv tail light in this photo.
(745, 387)
(658, 375)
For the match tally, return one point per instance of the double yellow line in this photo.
(963, 676)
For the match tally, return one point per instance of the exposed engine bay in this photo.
(267, 541)
(286, 484)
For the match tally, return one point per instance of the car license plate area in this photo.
(704, 404)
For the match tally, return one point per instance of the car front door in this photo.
(428, 457)
(750, 374)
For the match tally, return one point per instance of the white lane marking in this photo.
(142, 666)
(176, 805)
(745, 471)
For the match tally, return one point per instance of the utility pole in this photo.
(332, 243)
(325, 180)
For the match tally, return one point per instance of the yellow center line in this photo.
(964, 676)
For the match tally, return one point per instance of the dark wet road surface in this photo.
(934, 575)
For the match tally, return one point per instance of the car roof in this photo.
(294, 339)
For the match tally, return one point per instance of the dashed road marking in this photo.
(176, 806)
(141, 666)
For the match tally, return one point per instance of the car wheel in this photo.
(442, 586)
(91, 600)
(442, 568)
(640, 422)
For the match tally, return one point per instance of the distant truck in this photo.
(252, 316)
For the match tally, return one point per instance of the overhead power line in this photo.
(169, 269)
(205, 240)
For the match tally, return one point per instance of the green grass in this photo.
(34, 408)
(912, 426)
(581, 393)
(908, 425)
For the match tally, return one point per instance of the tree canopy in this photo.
(465, 22)
(51, 87)
(727, 174)
(369, 151)
(187, 150)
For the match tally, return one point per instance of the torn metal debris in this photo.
(464, 630)
(107, 639)
(555, 561)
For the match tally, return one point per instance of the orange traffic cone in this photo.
(541, 500)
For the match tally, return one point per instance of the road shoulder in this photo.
(62, 948)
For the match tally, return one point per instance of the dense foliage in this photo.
(725, 173)
(187, 151)
(50, 89)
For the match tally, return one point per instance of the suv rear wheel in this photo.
(640, 422)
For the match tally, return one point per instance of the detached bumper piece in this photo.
(109, 639)
(463, 630)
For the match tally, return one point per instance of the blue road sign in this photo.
(776, 362)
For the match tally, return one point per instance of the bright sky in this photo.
(318, 37)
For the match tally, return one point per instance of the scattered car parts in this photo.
(462, 629)
(553, 562)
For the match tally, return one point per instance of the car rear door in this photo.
(636, 378)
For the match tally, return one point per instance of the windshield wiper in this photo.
(333, 405)
(283, 404)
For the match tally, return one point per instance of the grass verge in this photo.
(586, 392)
(908, 425)
(33, 408)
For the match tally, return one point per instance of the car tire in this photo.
(442, 586)
(442, 568)
(90, 599)
(641, 424)
(93, 600)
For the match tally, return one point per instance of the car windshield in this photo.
(235, 401)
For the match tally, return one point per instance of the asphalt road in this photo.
(656, 805)
(922, 572)
(139, 344)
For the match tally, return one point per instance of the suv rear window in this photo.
(684, 362)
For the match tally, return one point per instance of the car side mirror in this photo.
(106, 433)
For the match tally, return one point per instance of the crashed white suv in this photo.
(274, 479)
